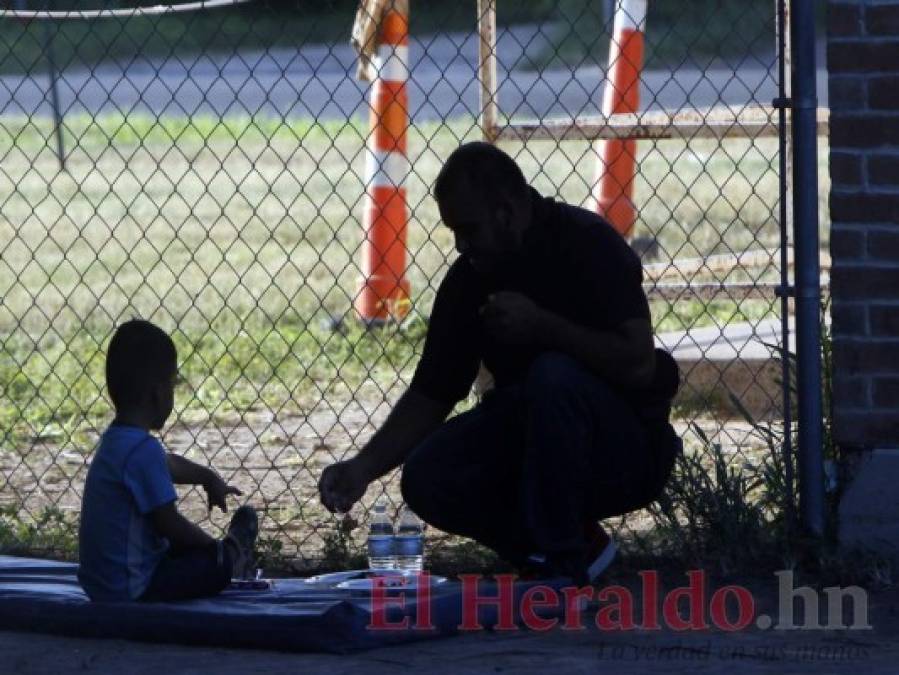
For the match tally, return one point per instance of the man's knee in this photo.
(431, 481)
(415, 482)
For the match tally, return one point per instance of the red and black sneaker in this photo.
(599, 554)
(601, 550)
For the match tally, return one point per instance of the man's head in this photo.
(141, 372)
(485, 200)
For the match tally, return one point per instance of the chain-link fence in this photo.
(206, 170)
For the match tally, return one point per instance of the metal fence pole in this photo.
(608, 11)
(488, 118)
(808, 289)
(54, 95)
(786, 218)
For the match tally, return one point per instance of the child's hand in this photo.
(217, 490)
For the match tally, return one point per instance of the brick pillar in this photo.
(863, 67)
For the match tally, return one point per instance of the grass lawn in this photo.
(242, 236)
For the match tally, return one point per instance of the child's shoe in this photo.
(242, 531)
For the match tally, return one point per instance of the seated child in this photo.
(133, 543)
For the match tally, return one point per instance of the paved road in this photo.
(318, 80)
(744, 341)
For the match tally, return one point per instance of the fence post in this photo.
(808, 267)
(487, 69)
(54, 95)
(608, 10)
(384, 290)
(617, 160)
(785, 167)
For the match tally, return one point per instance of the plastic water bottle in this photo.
(381, 554)
(409, 542)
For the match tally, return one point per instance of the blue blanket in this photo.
(295, 615)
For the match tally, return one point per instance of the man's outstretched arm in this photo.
(414, 417)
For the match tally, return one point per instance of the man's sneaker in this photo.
(601, 550)
(242, 531)
(534, 567)
(600, 553)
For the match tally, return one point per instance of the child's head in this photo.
(141, 371)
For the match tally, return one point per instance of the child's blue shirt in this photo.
(119, 548)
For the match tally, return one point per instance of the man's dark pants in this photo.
(524, 470)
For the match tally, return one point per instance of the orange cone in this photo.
(384, 290)
(616, 166)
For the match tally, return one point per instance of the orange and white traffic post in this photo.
(617, 159)
(384, 290)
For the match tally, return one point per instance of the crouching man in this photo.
(549, 297)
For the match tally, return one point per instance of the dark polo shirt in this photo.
(574, 264)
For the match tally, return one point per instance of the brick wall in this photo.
(863, 65)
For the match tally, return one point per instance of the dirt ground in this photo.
(874, 651)
(275, 459)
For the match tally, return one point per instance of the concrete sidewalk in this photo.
(873, 651)
(745, 341)
(739, 359)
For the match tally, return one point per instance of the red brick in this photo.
(863, 130)
(884, 320)
(885, 392)
(866, 429)
(883, 92)
(846, 168)
(882, 19)
(847, 244)
(849, 92)
(864, 207)
(882, 169)
(843, 19)
(868, 282)
(841, 56)
(859, 356)
(851, 392)
(849, 318)
(884, 245)
(862, 56)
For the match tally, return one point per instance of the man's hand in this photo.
(512, 318)
(342, 484)
(217, 490)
